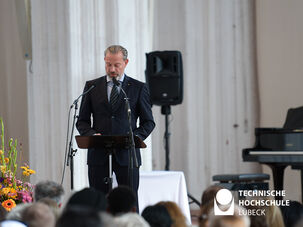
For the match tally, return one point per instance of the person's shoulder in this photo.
(96, 80)
(134, 81)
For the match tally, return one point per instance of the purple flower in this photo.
(27, 184)
(25, 196)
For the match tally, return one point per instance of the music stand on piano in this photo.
(109, 143)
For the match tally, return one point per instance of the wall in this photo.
(280, 68)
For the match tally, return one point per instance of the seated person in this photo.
(49, 189)
(121, 200)
(89, 198)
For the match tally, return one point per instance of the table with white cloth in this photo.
(156, 186)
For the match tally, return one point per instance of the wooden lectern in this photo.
(109, 143)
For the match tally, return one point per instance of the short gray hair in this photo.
(48, 189)
(114, 49)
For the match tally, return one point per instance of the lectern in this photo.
(109, 143)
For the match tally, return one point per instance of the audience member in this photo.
(88, 197)
(209, 194)
(157, 216)
(257, 220)
(205, 210)
(121, 200)
(107, 219)
(274, 216)
(175, 213)
(3, 213)
(292, 213)
(235, 220)
(17, 212)
(299, 223)
(37, 215)
(130, 220)
(11, 223)
(78, 216)
(49, 189)
(52, 205)
(207, 203)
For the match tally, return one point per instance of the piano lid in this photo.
(279, 145)
(278, 139)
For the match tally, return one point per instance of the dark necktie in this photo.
(114, 95)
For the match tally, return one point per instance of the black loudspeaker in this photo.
(164, 77)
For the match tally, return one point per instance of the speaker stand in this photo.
(166, 110)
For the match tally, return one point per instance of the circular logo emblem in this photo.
(224, 197)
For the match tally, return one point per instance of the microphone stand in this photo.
(71, 151)
(131, 141)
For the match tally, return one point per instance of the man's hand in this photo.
(97, 134)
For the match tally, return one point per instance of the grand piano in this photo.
(279, 148)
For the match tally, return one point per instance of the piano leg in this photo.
(299, 167)
(278, 175)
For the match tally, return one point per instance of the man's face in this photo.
(114, 64)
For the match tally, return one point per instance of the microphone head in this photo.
(116, 82)
(91, 88)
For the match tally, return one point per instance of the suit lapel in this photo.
(125, 84)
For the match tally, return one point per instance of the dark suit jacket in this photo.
(108, 122)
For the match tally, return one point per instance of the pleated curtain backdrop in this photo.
(220, 109)
(69, 38)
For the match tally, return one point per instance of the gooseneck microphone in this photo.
(119, 85)
(116, 82)
(131, 135)
(69, 151)
(84, 93)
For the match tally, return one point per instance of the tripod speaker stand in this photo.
(164, 76)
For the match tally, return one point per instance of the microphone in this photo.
(84, 93)
(116, 82)
(119, 85)
(131, 134)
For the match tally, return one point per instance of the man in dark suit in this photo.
(106, 104)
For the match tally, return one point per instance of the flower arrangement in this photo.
(12, 190)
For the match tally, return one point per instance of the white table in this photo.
(156, 186)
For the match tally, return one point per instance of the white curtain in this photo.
(94, 25)
(49, 89)
(69, 38)
(220, 109)
(219, 112)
